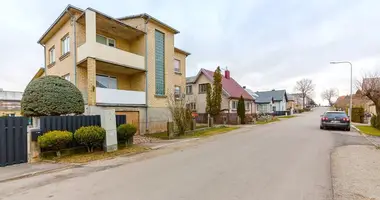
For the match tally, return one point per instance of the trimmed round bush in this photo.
(51, 96)
(55, 140)
(90, 136)
(126, 132)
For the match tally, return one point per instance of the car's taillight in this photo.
(325, 118)
(346, 119)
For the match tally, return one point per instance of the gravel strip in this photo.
(356, 173)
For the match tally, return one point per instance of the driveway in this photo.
(287, 160)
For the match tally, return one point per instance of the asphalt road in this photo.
(288, 160)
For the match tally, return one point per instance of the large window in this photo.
(160, 63)
(189, 89)
(52, 55)
(263, 108)
(105, 40)
(65, 45)
(177, 66)
(191, 106)
(103, 81)
(202, 88)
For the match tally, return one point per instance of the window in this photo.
(52, 55)
(234, 105)
(263, 108)
(66, 77)
(65, 45)
(202, 88)
(247, 105)
(177, 66)
(159, 62)
(177, 92)
(191, 106)
(189, 89)
(105, 40)
(103, 81)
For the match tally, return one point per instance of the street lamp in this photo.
(347, 62)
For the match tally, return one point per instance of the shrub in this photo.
(374, 122)
(306, 110)
(51, 96)
(125, 132)
(357, 115)
(56, 140)
(90, 136)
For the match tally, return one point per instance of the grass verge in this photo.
(196, 133)
(369, 130)
(98, 155)
(266, 122)
(286, 117)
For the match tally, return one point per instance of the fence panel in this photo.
(68, 123)
(13, 140)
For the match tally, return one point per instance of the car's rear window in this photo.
(335, 114)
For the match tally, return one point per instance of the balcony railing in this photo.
(119, 97)
(110, 54)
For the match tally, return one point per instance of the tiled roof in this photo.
(230, 86)
(266, 96)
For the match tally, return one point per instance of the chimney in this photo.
(227, 74)
(244, 87)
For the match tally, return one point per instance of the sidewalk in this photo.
(355, 172)
(25, 170)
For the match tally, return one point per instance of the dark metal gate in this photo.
(13, 140)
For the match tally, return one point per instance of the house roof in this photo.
(191, 79)
(267, 96)
(181, 51)
(147, 16)
(252, 93)
(62, 17)
(230, 86)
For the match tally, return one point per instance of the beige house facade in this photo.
(128, 64)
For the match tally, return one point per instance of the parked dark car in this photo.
(335, 119)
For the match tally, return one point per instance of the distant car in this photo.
(335, 119)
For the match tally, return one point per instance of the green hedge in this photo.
(55, 140)
(374, 122)
(51, 96)
(90, 136)
(357, 115)
(125, 133)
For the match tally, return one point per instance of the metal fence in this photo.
(67, 123)
(13, 140)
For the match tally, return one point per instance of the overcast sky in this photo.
(266, 44)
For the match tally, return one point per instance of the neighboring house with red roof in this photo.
(196, 87)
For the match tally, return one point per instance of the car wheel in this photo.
(321, 127)
(348, 129)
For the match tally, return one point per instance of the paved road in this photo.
(288, 160)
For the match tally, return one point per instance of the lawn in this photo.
(286, 117)
(195, 134)
(266, 122)
(369, 130)
(98, 155)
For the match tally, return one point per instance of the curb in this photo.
(365, 136)
(27, 175)
(170, 144)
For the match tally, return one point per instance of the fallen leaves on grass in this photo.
(100, 155)
(196, 133)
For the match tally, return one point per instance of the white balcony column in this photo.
(90, 26)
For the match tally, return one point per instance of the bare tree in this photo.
(369, 87)
(329, 94)
(306, 88)
(181, 115)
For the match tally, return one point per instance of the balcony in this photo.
(119, 43)
(107, 96)
(110, 54)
